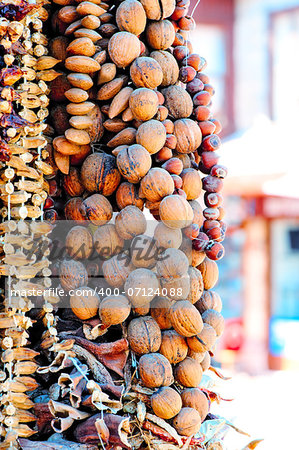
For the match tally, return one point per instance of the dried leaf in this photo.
(218, 373)
(253, 444)
(141, 411)
(163, 424)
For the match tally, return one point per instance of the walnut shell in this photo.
(107, 241)
(146, 72)
(141, 287)
(143, 103)
(123, 48)
(185, 318)
(158, 9)
(72, 210)
(192, 184)
(204, 341)
(209, 300)
(175, 212)
(134, 162)
(151, 135)
(114, 310)
(72, 183)
(196, 285)
(130, 16)
(166, 402)
(78, 243)
(210, 273)
(160, 34)
(97, 209)
(188, 373)
(173, 347)
(160, 312)
(155, 370)
(172, 263)
(167, 237)
(128, 194)
(187, 422)
(176, 288)
(215, 319)
(156, 185)
(169, 66)
(178, 102)
(130, 222)
(195, 398)
(143, 251)
(99, 173)
(72, 274)
(144, 335)
(84, 303)
(188, 135)
(117, 269)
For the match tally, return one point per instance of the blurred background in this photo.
(252, 50)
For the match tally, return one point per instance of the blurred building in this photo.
(253, 61)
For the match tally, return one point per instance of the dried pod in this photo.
(62, 162)
(114, 310)
(76, 95)
(123, 48)
(68, 14)
(157, 10)
(143, 104)
(173, 347)
(107, 242)
(166, 403)
(134, 163)
(156, 185)
(86, 8)
(130, 222)
(210, 273)
(141, 287)
(130, 16)
(188, 135)
(215, 319)
(175, 212)
(107, 73)
(72, 274)
(120, 102)
(97, 209)
(124, 137)
(84, 303)
(204, 341)
(80, 122)
(146, 72)
(144, 335)
(85, 32)
(172, 263)
(178, 102)
(187, 422)
(99, 173)
(160, 312)
(169, 66)
(188, 373)
(77, 137)
(195, 398)
(155, 370)
(185, 318)
(151, 135)
(79, 109)
(110, 89)
(127, 194)
(78, 243)
(160, 34)
(91, 22)
(117, 269)
(196, 285)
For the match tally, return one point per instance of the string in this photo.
(195, 7)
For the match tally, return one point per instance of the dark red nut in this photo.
(180, 52)
(209, 159)
(221, 212)
(163, 155)
(169, 126)
(213, 199)
(200, 243)
(195, 86)
(171, 141)
(202, 113)
(186, 23)
(195, 61)
(211, 213)
(179, 12)
(192, 231)
(178, 182)
(208, 224)
(173, 165)
(49, 203)
(215, 234)
(210, 89)
(53, 187)
(218, 126)
(50, 215)
(212, 184)
(218, 170)
(202, 98)
(178, 39)
(210, 143)
(207, 127)
(180, 192)
(215, 251)
(161, 97)
(203, 168)
(186, 74)
(203, 77)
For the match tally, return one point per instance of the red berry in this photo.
(211, 213)
(178, 182)
(215, 251)
(192, 231)
(218, 171)
(194, 60)
(195, 86)
(208, 224)
(171, 141)
(218, 126)
(202, 113)
(212, 184)
(202, 98)
(207, 127)
(180, 52)
(210, 89)
(186, 23)
(209, 159)
(213, 199)
(49, 203)
(215, 234)
(221, 212)
(186, 74)
(203, 77)
(211, 143)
